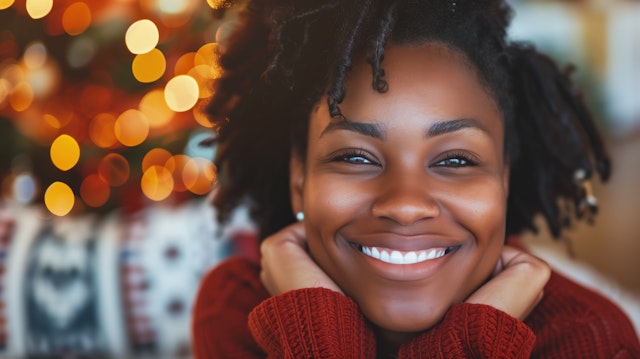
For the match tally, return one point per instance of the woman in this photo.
(408, 139)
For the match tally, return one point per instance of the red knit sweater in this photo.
(235, 317)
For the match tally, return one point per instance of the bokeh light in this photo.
(224, 31)
(21, 96)
(59, 198)
(149, 67)
(94, 191)
(205, 84)
(35, 55)
(142, 36)
(157, 183)
(181, 93)
(131, 128)
(43, 80)
(65, 87)
(24, 188)
(65, 152)
(199, 175)
(170, 7)
(175, 165)
(114, 169)
(155, 108)
(5, 4)
(102, 130)
(172, 13)
(76, 18)
(51, 121)
(201, 117)
(5, 90)
(206, 61)
(38, 9)
(155, 157)
(184, 64)
(219, 4)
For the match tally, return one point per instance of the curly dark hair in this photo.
(284, 55)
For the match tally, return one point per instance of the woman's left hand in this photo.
(517, 284)
(287, 265)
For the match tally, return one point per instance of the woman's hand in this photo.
(517, 284)
(286, 264)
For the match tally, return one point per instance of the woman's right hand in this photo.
(517, 284)
(287, 265)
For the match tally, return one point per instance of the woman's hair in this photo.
(284, 55)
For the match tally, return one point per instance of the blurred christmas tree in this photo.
(100, 102)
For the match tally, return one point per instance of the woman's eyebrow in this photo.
(443, 127)
(363, 128)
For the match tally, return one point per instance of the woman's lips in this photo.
(394, 256)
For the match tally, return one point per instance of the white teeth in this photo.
(410, 258)
(398, 257)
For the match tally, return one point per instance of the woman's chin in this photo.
(405, 322)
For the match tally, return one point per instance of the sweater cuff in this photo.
(473, 330)
(311, 322)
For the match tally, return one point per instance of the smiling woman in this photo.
(409, 149)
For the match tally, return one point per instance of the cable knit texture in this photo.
(234, 317)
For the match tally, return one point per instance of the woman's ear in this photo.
(296, 181)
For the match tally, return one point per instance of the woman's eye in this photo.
(455, 161)
(358, 160)
(355, 158)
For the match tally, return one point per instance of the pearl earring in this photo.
(300, 216)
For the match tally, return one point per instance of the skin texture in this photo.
(419, 167)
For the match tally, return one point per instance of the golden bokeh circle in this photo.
(64, 152)
(142, 36)
(157, 183)
(59, 198)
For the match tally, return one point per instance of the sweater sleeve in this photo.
(473, 331)
(312, 323)
(572, 321)
(225, 298)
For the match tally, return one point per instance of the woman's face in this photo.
(405, 201)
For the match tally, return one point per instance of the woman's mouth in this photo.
(404, 257)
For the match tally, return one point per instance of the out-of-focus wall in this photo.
(602, 38)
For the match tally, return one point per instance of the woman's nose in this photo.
(406, 200)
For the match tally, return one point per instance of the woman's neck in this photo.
(389, 342)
